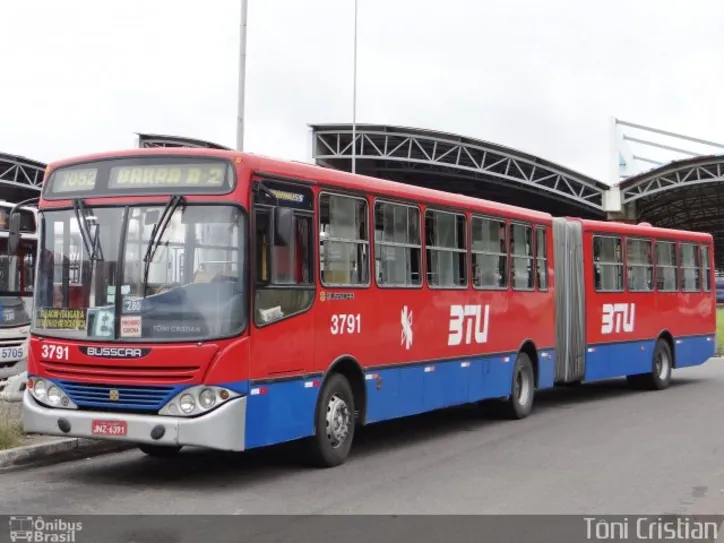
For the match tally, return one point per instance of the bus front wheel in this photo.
(335, 424)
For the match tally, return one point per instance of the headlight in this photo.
(197, 400)
(40, 389)
(54, 396)
(187, 403)
(48, 393)
(207, 398)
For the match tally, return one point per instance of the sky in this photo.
(546, 78)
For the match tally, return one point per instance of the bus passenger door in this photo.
(283, 234)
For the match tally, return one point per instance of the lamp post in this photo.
(354, 95)
(242, 78)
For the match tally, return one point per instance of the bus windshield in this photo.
(139, 273)
(17, 277)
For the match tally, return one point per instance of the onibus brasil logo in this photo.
(40, 530)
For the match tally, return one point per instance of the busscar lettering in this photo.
(115, 352)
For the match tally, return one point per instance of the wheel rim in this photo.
(337, 421)
(663, 364)
(522, 386)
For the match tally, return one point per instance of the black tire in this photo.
(520, 403)
(330, 445)
(159, 451)
(662, 364)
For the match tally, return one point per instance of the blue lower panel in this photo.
(404, 391)
(546, 369)
(611, 360)
(280, 412)
(693, 351)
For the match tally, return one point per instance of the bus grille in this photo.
(140, 375)
(142, 398)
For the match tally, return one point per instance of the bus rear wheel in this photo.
(522, 393)
(159, 451)
(335, 424)
(661, 366)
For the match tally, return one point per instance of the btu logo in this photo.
(468, 314)
(617, 317)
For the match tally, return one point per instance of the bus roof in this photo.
(641, 229)
(330, 178)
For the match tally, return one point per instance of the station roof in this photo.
(455, 163)
(684, 194)
(21, 178)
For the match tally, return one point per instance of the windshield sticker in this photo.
(102, 325)
(178, 329)
(111, 292)
(61, 319)
(132, 304)
(131, 326)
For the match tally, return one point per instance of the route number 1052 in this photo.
(345, 324)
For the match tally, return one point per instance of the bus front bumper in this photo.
(222, 429)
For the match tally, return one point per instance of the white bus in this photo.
(17, 280)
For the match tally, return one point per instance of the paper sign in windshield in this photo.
(130, 326)
(61, 319)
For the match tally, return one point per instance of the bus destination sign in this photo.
(162, 176)
(156, 175)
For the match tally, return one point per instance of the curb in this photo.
(57, 451)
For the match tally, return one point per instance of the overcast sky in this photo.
(543, 77)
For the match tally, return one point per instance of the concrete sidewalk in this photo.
(38, 449)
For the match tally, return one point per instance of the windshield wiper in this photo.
(157, 234)
(92, 246)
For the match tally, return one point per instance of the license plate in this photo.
(109, 427)
(11, 353)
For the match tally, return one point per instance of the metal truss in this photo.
(21, 172)
(396, 148)
(685, 195)
(145, 141)
(696, 171)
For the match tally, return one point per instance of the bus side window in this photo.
(398, 246)
(705, 269)
(689, 262)
(541, 260)
(667, 272)
(490, 254)
(640, 263)
(446, 244)
(608, 261)
(521, 257)
(344, 241)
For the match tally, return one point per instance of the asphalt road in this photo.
(599, 448)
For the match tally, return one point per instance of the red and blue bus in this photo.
(209, 298)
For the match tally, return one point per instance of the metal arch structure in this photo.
(686, 194)
(458, 164)
(20, 178)
(146, 141)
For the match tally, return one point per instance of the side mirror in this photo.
(14, 234)
(283, 226)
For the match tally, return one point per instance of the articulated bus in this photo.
(17, 279)
(230, 301)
